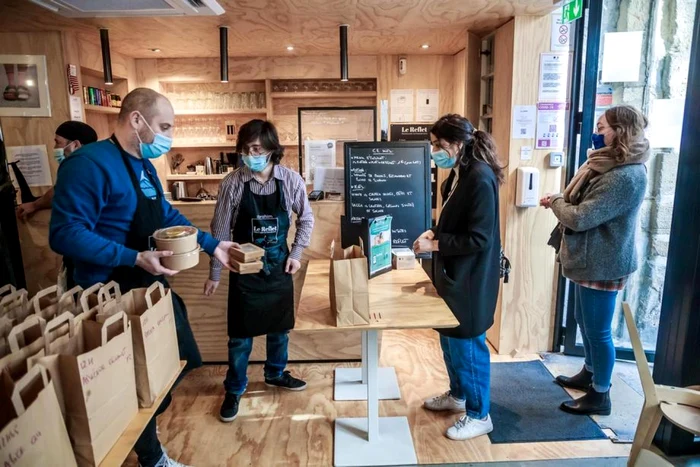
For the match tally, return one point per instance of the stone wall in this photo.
(667, 26)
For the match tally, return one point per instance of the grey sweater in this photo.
(600, 244)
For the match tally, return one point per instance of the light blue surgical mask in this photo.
(59, 155)
(598, 140)
(443, 159)
(256, 163)
(160, 145)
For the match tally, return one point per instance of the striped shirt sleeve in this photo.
(305, 216)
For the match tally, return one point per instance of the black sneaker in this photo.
(229, 409)
(286, 381)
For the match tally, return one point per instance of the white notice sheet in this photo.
(318, 153)
(401, 105)
(427, 104)
(554, 77)
(524, 118)
(33, 162)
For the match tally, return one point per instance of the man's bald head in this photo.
(146, 101)
(144, 114)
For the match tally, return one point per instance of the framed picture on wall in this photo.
(24, 85)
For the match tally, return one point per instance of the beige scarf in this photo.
(601, 161)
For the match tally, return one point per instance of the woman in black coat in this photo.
(466, 250)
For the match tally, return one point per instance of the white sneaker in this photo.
(165, 461)
(468, 428)
(445, 402)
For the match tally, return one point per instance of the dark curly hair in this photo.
(266, 132)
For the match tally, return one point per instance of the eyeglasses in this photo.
(255, 150)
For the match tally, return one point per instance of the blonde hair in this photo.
(628, 125)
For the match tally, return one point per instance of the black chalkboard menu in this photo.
(389, 178)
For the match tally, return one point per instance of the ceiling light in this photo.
(424, 46)
(106, 57)
(155, 50)
(290, 47)
(223, 53)
(343, 52)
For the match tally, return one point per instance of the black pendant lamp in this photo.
(223, 53)
(106, 58)
(343, 52)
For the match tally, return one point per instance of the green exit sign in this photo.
(572, 11)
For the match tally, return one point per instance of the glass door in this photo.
(638, 55)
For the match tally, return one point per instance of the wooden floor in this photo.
(286, 428)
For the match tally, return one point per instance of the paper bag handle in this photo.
(113, 319)
(71, 297)
(94, 289)
(149, 292)
(105, 294)
(7, 289)
(22, 384)
(7, 302)
(362, 245)
(56, 323)
(41, 294)
(30, 321)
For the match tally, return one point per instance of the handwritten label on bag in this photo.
(166, 318)
(90, 371)
(15, 456)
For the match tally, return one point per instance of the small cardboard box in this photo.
(403, 258)
(247, 253)
(246, 268)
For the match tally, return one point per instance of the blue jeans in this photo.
(239, 352)
(594, 314)
(468, 365)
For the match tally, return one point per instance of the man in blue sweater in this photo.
(107, 203)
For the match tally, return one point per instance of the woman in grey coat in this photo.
(597, 215)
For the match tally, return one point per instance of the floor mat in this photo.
(525, 407)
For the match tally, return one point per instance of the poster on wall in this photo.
(524, 118)
(33, 162)
(561, 34)
(25, 86)
(401, 105)
(554, 77)
(551, 125)
(76, 109)
(319, 153)
(427, 105)
(622, 55)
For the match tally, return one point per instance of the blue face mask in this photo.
(256, 163)
(160, 145)
(598, 141)
(443, 159)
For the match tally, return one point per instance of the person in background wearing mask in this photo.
(108, 202)
(466, 248)
(597, 216)
(255, 205)
(70, 136)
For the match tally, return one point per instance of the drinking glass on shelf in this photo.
(228, 100)
(252, 100)
(295, 87)
(325, 86)
(262, 102)
(315, 86)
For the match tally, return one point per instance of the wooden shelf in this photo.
(221, 112)
(227, 144)
(102, 109)
(321, 95)
(195, 178)
(487, 117)
(488, 76)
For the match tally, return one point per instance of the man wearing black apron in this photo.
(254, 206)
(107, 203)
